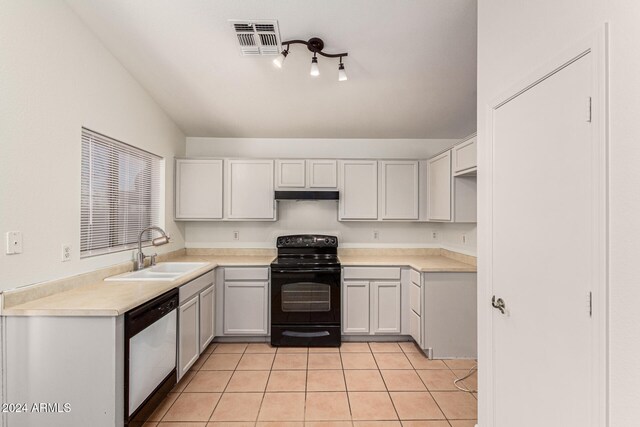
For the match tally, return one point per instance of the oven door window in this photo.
(306, 297)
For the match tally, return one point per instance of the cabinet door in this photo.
(207, 317)
(322, 173)
(358, 189)
(290, 173)
(356, 307)
(414, 328)
(465, 156)
(399, 189)
(246, 308)
(188, 335)
(198, 190)
(249, 189)
(439, 187)
(385, 308)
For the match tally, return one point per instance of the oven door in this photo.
(305, 297)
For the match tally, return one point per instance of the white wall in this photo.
(321, 216)
(56, 77)
(516, 37)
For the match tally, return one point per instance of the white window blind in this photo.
(120, 194)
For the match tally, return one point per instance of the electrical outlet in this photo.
(66, 253)
(464, 239)
(236, 235)
(14, 242)
(434, 235)
(376, 234)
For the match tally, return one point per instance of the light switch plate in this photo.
(14, 242)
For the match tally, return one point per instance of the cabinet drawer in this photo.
(384, 273)
(414, 298)
(415, 276)
(260, 273)
(196, 286)
(414, 328)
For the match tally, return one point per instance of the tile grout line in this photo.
(264, 392)
(346, 389)
(386, 387)
(226, 385)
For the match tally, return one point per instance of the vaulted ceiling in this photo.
(411, 65)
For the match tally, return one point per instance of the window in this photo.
(120, 194)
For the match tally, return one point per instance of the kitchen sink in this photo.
(164, 271)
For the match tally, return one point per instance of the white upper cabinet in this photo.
(290, 173)
(399, 190)
(439, 187)
(465, 159)
(358, 189)
(249, 192)
(198, 189)
(322, 173)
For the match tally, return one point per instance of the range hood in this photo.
(307, 195)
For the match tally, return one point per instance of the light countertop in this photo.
(95, 297)
(422, 263)
(100, 298)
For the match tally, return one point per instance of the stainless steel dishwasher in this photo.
(150, 355)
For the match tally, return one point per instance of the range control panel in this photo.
(307, 241)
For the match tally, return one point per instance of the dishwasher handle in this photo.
(148, 313)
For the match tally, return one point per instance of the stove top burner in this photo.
(307, 251)
(306, 261)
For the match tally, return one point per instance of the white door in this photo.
(188, 335)
(385, 316)
(356, 307)
(544, 253)
(198, 189)
(249, 189)
(246, 308)
(322, 173)
(358, 189)
(399, 189)
(290, 173)
(439, 187)
(207, 316)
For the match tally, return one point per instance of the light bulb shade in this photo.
(315, 71)
(279, 60)
(342, 75)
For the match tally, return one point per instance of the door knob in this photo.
(498, 303)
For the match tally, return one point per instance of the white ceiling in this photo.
(411, 65)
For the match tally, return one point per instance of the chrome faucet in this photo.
(159, 241)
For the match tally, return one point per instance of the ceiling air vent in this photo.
(257, 37)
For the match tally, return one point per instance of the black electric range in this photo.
(305, 292)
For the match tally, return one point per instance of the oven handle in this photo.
(323, 271)
(306, 334)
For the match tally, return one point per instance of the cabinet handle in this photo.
(498, 303)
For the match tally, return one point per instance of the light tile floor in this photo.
(358, 385)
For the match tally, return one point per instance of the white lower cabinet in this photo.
(207, 317)
(196, 320)
(246, 301)
(415, 307)
(448, 324)
(414, 328)
(385, 307)
(371, 307)
(356, 307)
(188, 334)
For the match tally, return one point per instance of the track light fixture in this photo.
(315, 71)
(315, 45)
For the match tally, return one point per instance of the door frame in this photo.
(595, 44)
